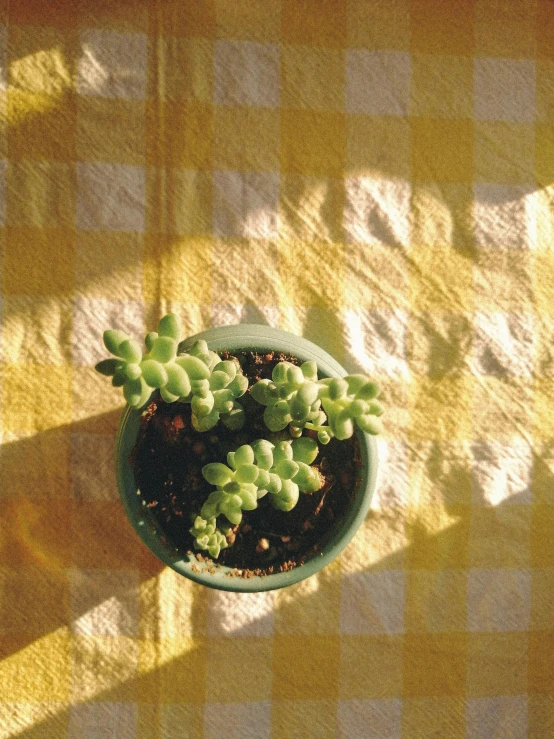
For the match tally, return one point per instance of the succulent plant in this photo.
(290, 397)
(331, 406)
(208, 536)
(254, 470)
(198, 377)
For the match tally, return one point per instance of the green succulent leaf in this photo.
(205, 423)
(167, 396)
(113, 338)
(217, 473)
(234, 420)
(246, 473)
(149, 340)
(263, 452)
(133, 371)
(304, 450)
(194, 367)
(164, 349)
(130, 351)
(154, 373)
(170, 326)
(286, 469)
(178, 382)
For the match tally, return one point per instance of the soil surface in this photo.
(168, 460)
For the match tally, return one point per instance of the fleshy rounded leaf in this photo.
(136, 392)
(133, 371)
(217, 474)
(274, 421)
(371, 424)
(307, 478)
(178, 381)
(246, 473)
(228, 366)
(263, 452)
(194, 367)
(309, 370)
(369, 391)
(279, 373)
(219, 380)
(113, 338)
(244, 455)
(164, 349)
(239, 385)
(259, 392)
(234, 420)
(154, 373)
(202, 406)
(204, 423)
(304, 450)
(170, 326)
(286, 469)
(338, 388)
(287, 497)
(149, 340)
(343, 428)
(167, 396)
(130, 351)
(295, 377)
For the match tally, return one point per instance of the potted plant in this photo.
(246, 457)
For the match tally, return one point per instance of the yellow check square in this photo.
(543, 285)
(41, 194)
(504, 152)
(442, 86)
(378, 146)
(42, 126)
(503, 280)
(428, 717)
(177, 269)
(179, 201)
(441, 279)
(165, 663)
(368, 27)
(542, 522)
(499, 536)
(313, 142)
(315, 718)
(124, 119)
(437, 538)
(36, 465)
(249, 20)
(18, 597)
(33, 267)
(31, 529)
(188, 18)
(179, 135)
(246, 138)
(229, 673)
(541, 675)
(370, 667)
(314, 23)
(312, 78)
(315, 676)
(440, 29)
(502, 31)
(441, 150)
(108, 265)
(35, 397)
(434, 665)
(440, 409)
(20, 673)
(505, 658)
(184, 67)
(308, 280)
(310, 607)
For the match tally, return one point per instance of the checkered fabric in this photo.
(375, 176)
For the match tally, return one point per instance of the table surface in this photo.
(375, 176)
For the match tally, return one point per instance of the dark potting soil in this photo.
(168, 460)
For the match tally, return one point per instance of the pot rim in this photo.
(257, 338)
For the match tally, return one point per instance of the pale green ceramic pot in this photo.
(258, 338)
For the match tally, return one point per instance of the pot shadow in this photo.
(66, 543)
(249, 640)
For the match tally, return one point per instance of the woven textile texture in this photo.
(375, 176)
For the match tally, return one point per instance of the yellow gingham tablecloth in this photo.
(375, 176)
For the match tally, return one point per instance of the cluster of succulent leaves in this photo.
(295, 397)
(198, 377)
(254, 470)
